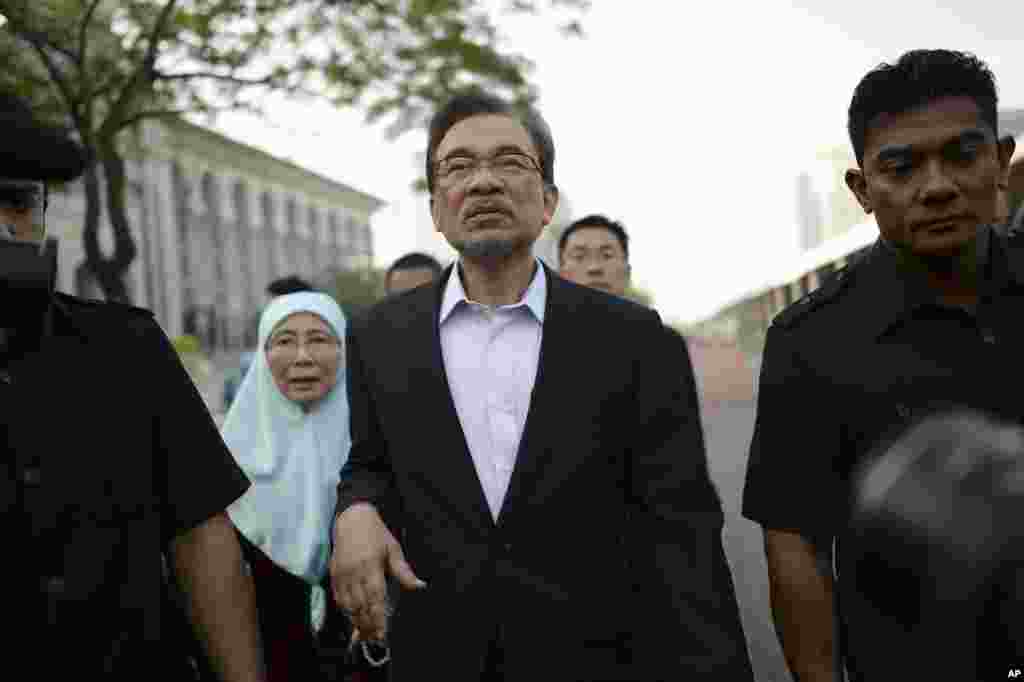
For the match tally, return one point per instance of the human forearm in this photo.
(801, 599)
(222, 606)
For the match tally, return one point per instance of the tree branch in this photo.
(209, 75)
(61, 84)
(145, 115)
(154, 35)
(169, 113)
(83, 35)
(34, 37)
(145, 70)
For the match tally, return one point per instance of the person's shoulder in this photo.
(103, 314)
(1015, 239)
(596, 302)
(396, 309)
(90, 306)
(811, 309)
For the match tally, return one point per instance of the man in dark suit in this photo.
(521, 461)
(594, 251)
(410, 271)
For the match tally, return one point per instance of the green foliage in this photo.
(108, 63)
(186, 344)
(641, 296)
(357, 290)
(101, 67)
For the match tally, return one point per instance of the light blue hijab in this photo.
(292, 457)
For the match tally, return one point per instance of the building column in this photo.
(301, 238)
(232, 235)
(316, 242)
(173, 249)
(333, 239)
(284, 265)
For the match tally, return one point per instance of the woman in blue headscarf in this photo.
(289, 430)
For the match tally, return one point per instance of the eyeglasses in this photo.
(317, 347)
(455, 170)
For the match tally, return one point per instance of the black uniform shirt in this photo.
(112, 454)
(859, 359)
(855, 362)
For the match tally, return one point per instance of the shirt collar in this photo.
(898, 290)
(534, 299)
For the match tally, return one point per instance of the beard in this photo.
(490, 248)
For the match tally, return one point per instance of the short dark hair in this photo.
(292, 284)
(414, 261)
(475, 103)
(595, 220)
(915, 79)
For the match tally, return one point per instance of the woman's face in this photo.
(303, 354)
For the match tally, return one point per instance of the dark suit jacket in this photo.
(606, 560)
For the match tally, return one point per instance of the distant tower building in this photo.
(825, 206)
(808, 207)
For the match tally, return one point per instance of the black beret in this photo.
(34, 151)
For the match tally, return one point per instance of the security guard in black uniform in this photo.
(113, 473)
(929, 320)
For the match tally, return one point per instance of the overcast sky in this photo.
(689, 125)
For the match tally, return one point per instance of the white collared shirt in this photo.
(491, 356)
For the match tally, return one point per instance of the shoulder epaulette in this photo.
(1015, 250)
(78, 302)
(828, 291)
(1015, 233)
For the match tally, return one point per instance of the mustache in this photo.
(487, 207)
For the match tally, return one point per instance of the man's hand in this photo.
(365, 553)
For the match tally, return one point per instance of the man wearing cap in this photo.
(113, 474)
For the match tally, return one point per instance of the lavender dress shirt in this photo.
(490, 358)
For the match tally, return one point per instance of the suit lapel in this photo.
(550, 389)
(450, 459)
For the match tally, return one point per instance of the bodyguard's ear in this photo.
(1007, 145)
(857, 183)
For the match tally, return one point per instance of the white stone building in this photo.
(215, 221)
